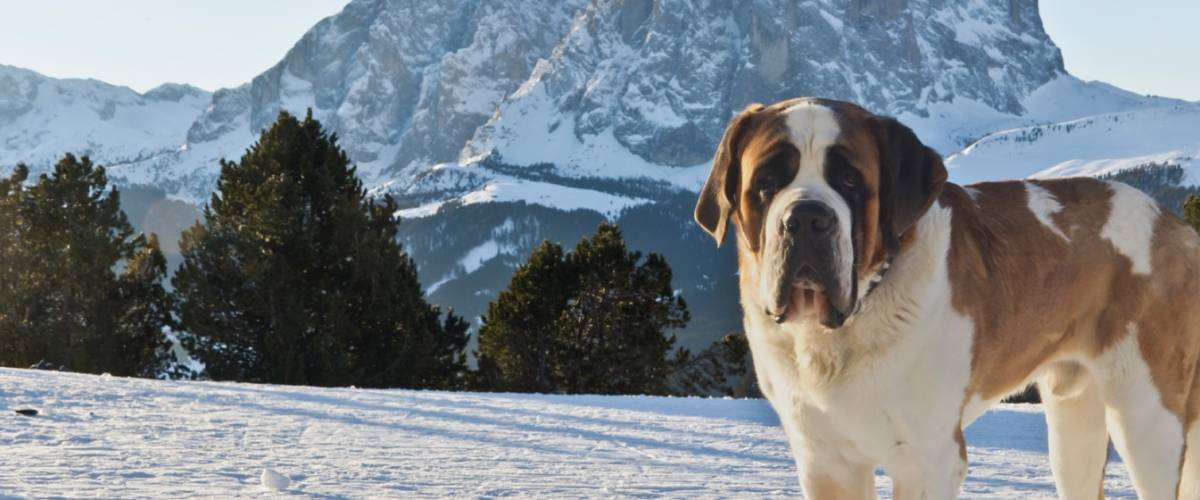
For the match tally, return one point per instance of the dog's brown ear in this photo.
(911, 178)
(719, 195)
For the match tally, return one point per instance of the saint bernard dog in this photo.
(887, 308)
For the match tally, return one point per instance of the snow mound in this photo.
(146, 438)
(274, 480)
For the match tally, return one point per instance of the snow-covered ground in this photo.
(102, 436)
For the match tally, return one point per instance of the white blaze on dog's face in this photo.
(807, 253)
(821, 191)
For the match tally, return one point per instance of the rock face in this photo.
(404, 83)
(498, 123)
(664, 76)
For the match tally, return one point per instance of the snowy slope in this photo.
(130, 438)
(566, 198)
(949, 126)
(1090, 145)
(1067, 127)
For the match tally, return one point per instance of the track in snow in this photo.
(115, 437)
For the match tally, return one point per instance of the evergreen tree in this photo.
(1191, 211)
(720, 370)
(77, 288)
(16, 331)
(295, 276)
(614, 327)
(591, 321)
(518, 339)
(147, 310)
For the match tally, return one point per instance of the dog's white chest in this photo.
(873, 412)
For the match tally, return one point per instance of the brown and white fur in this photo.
(1083, 286)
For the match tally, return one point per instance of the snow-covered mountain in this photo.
(607, 88)
(42, 117)
(115, 437)
(503, 122)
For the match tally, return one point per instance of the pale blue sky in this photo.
(142, 43)
(1146, 46)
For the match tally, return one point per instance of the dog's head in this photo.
(822, 192)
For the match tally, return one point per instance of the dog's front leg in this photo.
(934, 471)
(825, 477)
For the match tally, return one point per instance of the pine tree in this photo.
(614, 327)
(590, 321)
(1191, 211)
(63, 242)
(518, 340)
(16, 280)
(720, 370)
(148, 309)
(295, 276)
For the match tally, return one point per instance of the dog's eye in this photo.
(846, 179)
(766, 186)
(849, 181)
(842, 176)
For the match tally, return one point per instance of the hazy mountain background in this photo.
(500, 123)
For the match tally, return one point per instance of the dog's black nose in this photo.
(809, 218)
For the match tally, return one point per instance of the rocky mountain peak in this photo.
(662, 77)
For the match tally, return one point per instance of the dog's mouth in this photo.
(805, 298)
(808, 297)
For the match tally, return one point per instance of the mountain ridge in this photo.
(411, 87)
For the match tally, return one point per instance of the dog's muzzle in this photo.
(807, 281)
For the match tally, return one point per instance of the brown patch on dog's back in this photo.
(1035, 296)
(1003, 262)
(1029, 292)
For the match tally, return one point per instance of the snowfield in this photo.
(101, 436)
(1092, 145)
